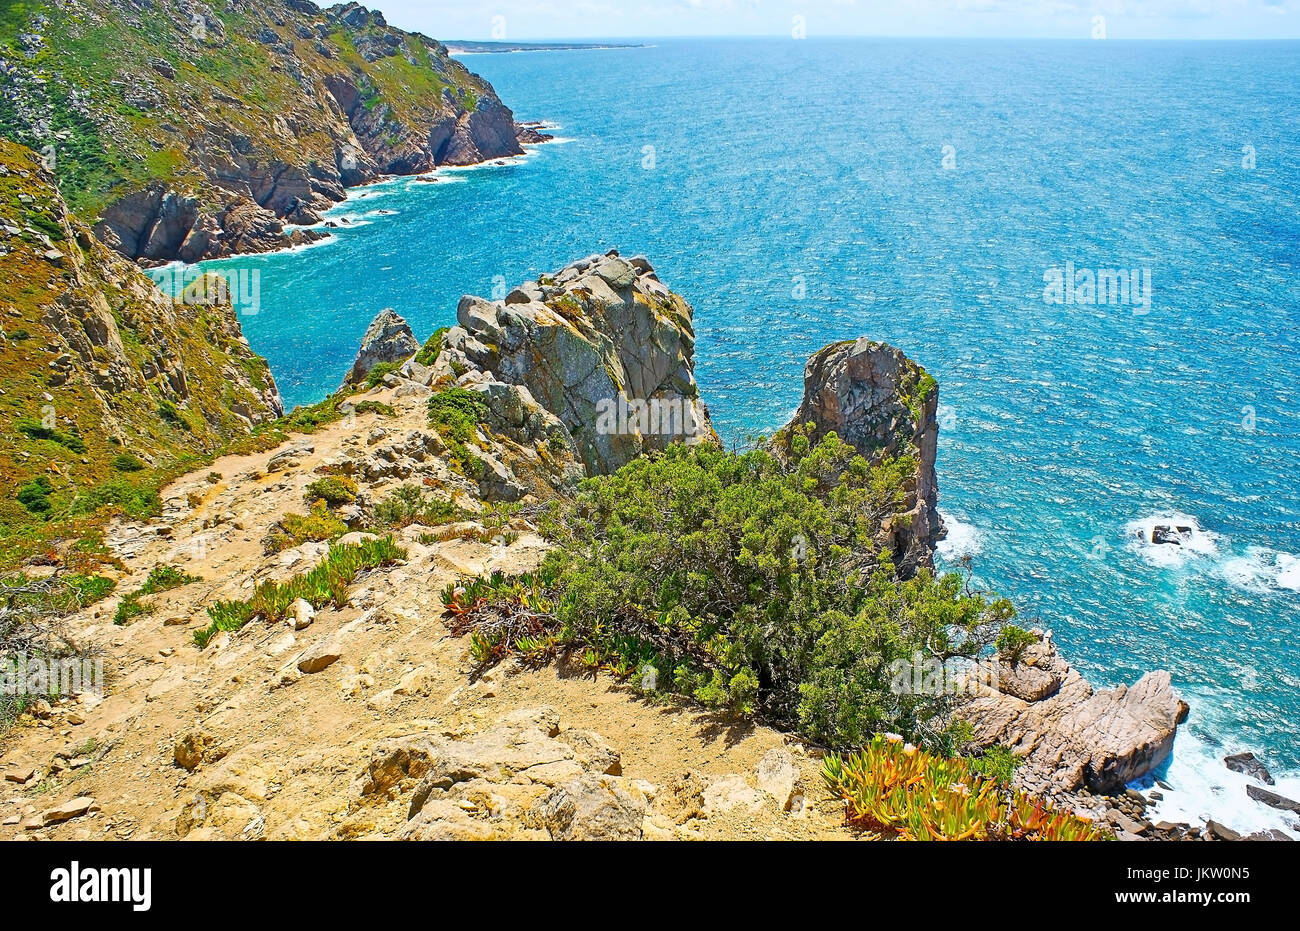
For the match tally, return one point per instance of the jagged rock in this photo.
(1248, 764)
(595, 808)
(595, 362)
(884, 405)
(1076, 737)
(388, 340)
(1273, 800)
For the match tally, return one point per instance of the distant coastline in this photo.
(500, 48)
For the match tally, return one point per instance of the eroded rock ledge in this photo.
(1070, 735)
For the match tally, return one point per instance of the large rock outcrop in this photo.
(388, 340)
(305, 103)
(581, 372)
(1068, 734)
(885, 406)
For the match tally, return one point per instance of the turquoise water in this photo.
(798, 195)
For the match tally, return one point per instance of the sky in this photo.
(523, 20)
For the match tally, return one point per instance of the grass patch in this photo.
(326, 584)
(161, 579)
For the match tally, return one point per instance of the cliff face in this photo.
(191, 130)
(95, 363)
(580, 372)
(885, 406)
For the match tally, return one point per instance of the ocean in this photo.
(938, 195)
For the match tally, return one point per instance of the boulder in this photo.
(321, 655)
(595, 361)
(1248, 764)
(594, 807)
(1074, 736)
(388, 340)
(1273, 800)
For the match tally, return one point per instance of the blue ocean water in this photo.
(917, 192)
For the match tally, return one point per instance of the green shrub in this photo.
(409, 505)
(320, 526)
(334, 490)
(456, 414)
(375, 377)
(326, 584)
(35, 495)
(135, 500)
(375, 407)
(36, 430)
(752, 582)
(125, 462)
(89, 588)
(429, 353)
(998, 763)
(1013, 641)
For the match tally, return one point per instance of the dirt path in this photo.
(283, 752)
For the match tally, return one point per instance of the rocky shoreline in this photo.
(326, 100)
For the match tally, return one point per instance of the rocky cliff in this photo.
(195, 130)
(580, 372)
(1070, 735)
(100, 374)
(884, 405)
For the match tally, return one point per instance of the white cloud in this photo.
(1143, 19)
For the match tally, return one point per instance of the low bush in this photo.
(320, 526)
(125, 462)
(896, 790)
(429, 353)
(409, 504)
(375, 377)
(35, 495)
(456, 414)
(334, 490)
(36, 430)
(749, 582)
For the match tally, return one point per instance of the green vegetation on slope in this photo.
(742, 582)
